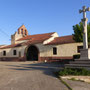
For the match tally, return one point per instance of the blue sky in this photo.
(39, 16)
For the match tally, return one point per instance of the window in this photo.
(4, 53)
(14, 52)
(79, 48)
(54, 50)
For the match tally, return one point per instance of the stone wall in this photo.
(64, 51)
(9, 52)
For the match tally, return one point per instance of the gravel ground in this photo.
(29, 76)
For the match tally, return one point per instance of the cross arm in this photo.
(84, 9)
(88, 9)
(80, 11)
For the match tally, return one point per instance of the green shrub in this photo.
(76, 56)
(74, 71)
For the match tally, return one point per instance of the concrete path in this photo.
(78, 85)
(29, 76)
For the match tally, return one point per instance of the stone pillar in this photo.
(85, 39)
(85, 52)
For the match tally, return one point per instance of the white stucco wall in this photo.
(15, 37)
(67, 49)
(9, 51)
(21, 41)
(53, 36)
(63, 50)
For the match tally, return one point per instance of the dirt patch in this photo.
(81, 78)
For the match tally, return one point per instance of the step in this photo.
(82, 60)
(77, 65)
(79, 62)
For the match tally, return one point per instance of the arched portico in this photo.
(32, 53)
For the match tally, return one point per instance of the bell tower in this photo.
(22, 32)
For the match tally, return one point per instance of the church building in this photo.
(45, 47)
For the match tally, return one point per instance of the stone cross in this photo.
(84, 20)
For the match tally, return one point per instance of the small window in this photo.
(79, 48)
(54, 51)
(4, 53)
(14, 52)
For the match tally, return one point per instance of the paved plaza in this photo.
(34, 76)
(29, 76)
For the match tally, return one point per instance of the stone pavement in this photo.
(78, 78)
(78, 85)
(29, 76)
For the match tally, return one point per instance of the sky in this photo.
(40, 16)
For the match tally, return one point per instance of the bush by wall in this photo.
(76, 56)
(74, 71)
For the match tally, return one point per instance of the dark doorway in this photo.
(32, 53)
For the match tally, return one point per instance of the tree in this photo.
(78, 32)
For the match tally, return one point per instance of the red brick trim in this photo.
(12, 59)
(51, 59)
(40, 59)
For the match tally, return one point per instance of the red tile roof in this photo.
(62, 40)
(32, 39)
(11, 46)
(40, 38)
(37, 36)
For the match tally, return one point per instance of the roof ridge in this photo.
(35, 35)
(62, 40)
(66, 36)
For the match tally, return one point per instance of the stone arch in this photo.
(22, 31)
(32, 53)
(26, 33)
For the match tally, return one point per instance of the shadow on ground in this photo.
(46, 68)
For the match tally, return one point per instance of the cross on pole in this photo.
(84, 20)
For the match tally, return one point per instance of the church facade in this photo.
(40, 47)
